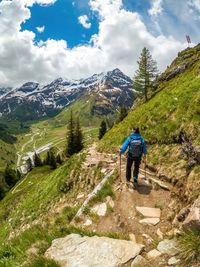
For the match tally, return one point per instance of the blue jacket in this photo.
(133, 136)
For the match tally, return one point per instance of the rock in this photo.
(140, 261)
(168, 247)
(87, 222)
(153, 254)
(81, 195)
(183, 214)
(150, 221)
(170, 233)
(149, 212)
(159, 183)
(132, 238)
(176, 71)
(74, 251)
(193, 219)
(149, 240)
(159, 233)
(110, 202)
(173, 261)
(100, 209)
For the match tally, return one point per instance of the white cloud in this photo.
(195, 4)
(39, 2)
(84, 21)
(156, 8)
(121, 37)
(40, 29)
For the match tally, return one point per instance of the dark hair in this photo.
(136, 130)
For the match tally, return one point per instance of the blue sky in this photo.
(61, 22)
(42, 40)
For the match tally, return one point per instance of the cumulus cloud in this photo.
(121, 37)
(39, 2)
(195, 4)
(156, 8)
(84, 21)
(40, 29)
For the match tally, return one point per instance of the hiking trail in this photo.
(139, 213)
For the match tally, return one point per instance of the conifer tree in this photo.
(145, 76)
(59, 159)
(78, 138)
(102, 129)
(29, 164)
(70, 136)
(10, 175)
(37, 160)
(2, 190)
(123, 113)
(47, 159)
(53, 163)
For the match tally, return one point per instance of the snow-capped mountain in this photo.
(4, 90)
(32, 100)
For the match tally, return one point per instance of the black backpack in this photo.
(135, 148)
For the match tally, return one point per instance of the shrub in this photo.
(189, 243)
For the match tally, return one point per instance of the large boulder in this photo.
(193, 218)
(76, 251)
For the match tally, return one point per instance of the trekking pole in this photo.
(145, 166)
(120, 164)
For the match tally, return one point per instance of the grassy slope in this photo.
(31, 200)
(39, 209)
(176, 106)
(7, 154)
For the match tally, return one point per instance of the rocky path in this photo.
(139, 213)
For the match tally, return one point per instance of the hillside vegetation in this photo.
(175, 106)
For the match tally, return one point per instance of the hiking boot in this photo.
(128, 184)
(135, 180)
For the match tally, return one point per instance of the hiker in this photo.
(137, 148)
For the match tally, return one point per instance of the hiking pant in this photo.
(129, 164)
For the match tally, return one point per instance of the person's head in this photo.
(136, 130)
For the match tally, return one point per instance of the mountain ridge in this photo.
(38, 101)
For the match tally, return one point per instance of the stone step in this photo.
(149, 212)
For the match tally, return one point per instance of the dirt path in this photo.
(124, 218)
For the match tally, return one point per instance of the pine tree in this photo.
(145, 76)
(102, 129)
(10, 175)
(47, 159)
(29, 164)
(53, 163)
(123, 113)
(78, 138)
(37, 160)
(70, 136)
(59, 159)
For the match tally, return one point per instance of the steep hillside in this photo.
(170, 122)
(175, 107)
(33, 101)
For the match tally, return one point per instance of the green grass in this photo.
(7, 154)
(189, 244)
(176, 106)
(103, 193)
(33, 196)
